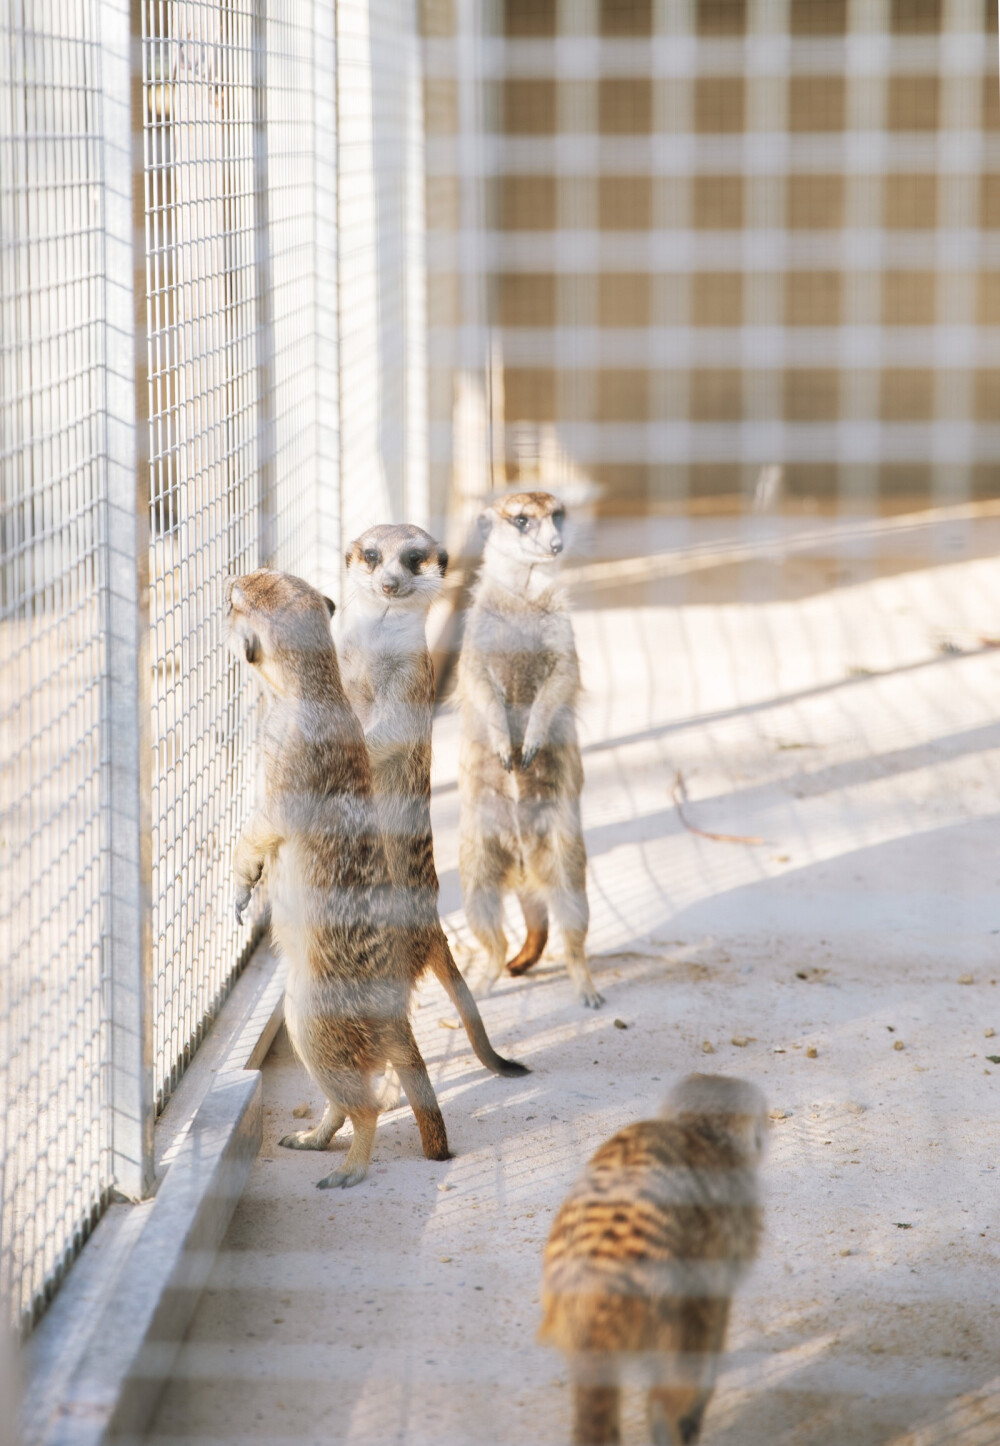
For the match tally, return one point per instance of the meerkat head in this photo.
(733, 1105)
(396, 566)
(526, 528)
(281, 626)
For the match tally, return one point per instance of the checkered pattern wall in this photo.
(682, 239)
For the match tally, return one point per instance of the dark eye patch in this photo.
(520, 522)
(415, 561)
(371, 557)
(559, 518)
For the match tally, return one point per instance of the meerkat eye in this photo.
(414, 561)
(371, 557)
(559, 518)
(521, 522)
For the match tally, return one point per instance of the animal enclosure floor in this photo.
(847, 960)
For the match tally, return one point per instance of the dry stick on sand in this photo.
(679, 792)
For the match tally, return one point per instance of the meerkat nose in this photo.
(390, 586)
(556, 545)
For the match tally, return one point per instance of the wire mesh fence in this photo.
(170, 416)
(55, 1149)
(652, 247)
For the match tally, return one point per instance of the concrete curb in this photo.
(95, 1368)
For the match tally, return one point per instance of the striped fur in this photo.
(394, 573)
(316, 831)
(645, 1252)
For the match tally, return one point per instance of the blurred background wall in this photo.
(685, 239)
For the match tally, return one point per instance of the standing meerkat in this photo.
(316, 829)
(645, 1252)
(519, 768)
(394, 573)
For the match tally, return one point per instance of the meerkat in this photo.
(394, 573)
(519, 772)
(645, 1252)
(316, 829)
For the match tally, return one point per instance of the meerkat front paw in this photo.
(506, 756)
(529, 753)
(243, 897)
(589, 997)
(343, 1178)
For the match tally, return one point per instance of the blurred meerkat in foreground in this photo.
(519, 768)
(394, 574)
(644, 1254)
(316, 829)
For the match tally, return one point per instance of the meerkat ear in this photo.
(485, 524)
(331, 606)
(443, 560)
(353, 552)
(251, 646)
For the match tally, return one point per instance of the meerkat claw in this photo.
(342, 1179)
(242, 904)
(592, 1000)
(301, 1140)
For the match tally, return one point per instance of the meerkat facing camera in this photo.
(394, 573)
(520, 773)
(316, 829)
(645, 1253)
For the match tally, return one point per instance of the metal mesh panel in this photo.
(202, 290)
(55, 1166)
(292, 298)
(721, 236)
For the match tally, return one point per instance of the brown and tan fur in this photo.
(520, 774)
(644, 1254)
(394, 573)
(316, 829)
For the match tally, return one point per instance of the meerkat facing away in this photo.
(316, 829)
(519, 771)
(394, 573)
(645, 1252)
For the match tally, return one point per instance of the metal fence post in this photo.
(262, 281)
(128, 937)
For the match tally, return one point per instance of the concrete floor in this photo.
(855, 732)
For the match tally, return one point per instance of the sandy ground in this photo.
(855, 733)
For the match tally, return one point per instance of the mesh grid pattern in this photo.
(202, 290)
(55, 1166)
(726, 235)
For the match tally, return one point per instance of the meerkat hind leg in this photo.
(484, 912)
(570, 912)
(355, 1167)
(536, 919)
(595, 1415)
(409, 1063)
(675, 1415)
(318, 1138)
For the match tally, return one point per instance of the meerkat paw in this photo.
(343, 1178)
(305, 1140)
(529, 753)
(589, 997)
(480, 984)
(504, 750)
(243, 897)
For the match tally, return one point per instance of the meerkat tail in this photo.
(446, 972)
(536, 917)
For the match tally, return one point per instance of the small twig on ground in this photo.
(679, 793)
